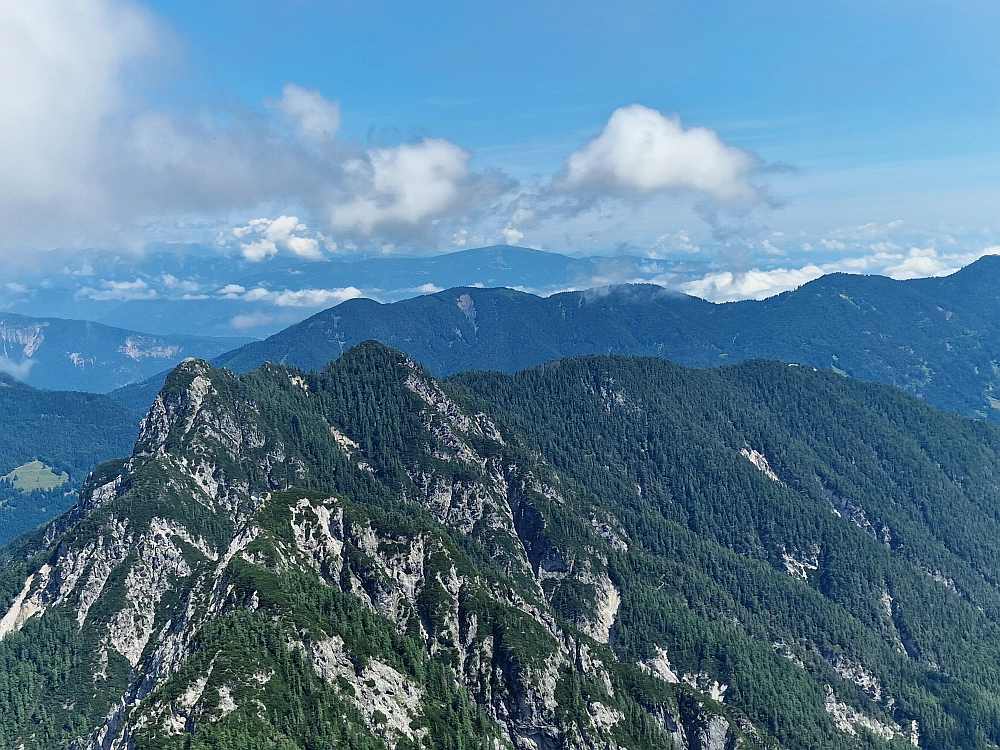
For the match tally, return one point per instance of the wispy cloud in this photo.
(117, 290)
(291, 298)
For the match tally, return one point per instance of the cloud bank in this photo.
(83, 160)
(728, 286)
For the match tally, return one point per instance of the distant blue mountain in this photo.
(177, 291)
(937, 338)
(79, 355)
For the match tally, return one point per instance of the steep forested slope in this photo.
(70, 432)
(603, 552)
(938, 339)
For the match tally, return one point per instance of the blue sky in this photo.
(847, 135)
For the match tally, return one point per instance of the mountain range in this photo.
(80, 355)
(171, 290)
(936, 338)
(603, 552)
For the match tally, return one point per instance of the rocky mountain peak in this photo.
(356, 540)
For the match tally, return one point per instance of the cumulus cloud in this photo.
(61, 82)
(86, 161)
(185, 286)
(406, 185)
(512, 236)
(285, 231)
(642, 151)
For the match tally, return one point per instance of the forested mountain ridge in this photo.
(601, 552)
(936, 338)
(67, 431)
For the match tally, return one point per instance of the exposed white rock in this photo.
(944, 580)
(28, 337)
(102, 556)
(861, 677)
(175, 721)
(379, 692)
(799, 564)
(158, 563)
(143, 347)
(659, 666)
(715, 735)
(613, 536)
(607, 600)
(226, 703)
(24, 607)
(467, 305)
(783, 649)
(760, 461)
(603, 717)
(703, 681)
(346, 444)
(846, 718)
(319, 534)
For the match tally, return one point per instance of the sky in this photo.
(770, 141)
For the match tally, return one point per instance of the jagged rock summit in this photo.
(344, 559)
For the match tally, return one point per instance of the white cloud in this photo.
(281, 232)
(315, 118)
(304, 247)
(18, 370)
(251, 320)
(407, 185)
(291, 298)
(258, 251)
(84, 161)
(62, 62)
(232, 291)
(174, 284)
(428, 288)
(511, 236)
(641, 151)
(117, 290)
(921, 262)
(726, 286)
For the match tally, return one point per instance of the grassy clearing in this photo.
(35, 475)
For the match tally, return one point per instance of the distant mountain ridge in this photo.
(80, 355)
(173, 291)
(936, 338)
